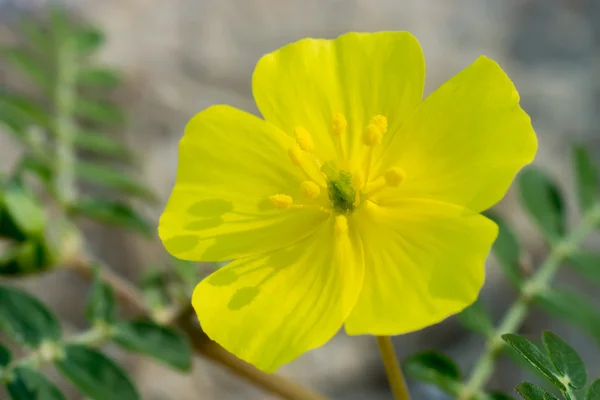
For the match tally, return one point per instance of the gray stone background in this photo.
(180, 56)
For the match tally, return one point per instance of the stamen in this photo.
(281, 200)
(296, 155)
(394, 176)
(304, 139)
(373, 135)
(341, 224)
(338, 128)
(310, 189)
(381, 122)
(311, 207)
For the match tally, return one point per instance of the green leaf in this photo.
(476, 318)
(507, 249)
(586, 178)
(529, 391)
(587, 264)
(543, 201)
(5, 356)
(163, 344)
(31, 385)
(89, 39)
(25, 258)
(22, 111)
(499, 396)
(113, 178)
(100, 111)
(593, 392)
(97, 376)
(28, 64)
(101, 144)
(535, 357)
(433, 367)
(36, 35)
(572, 307)
(24, 209)
(114, 213)
(566, 360)
(101, 301)
(25, 319)
(105, 78)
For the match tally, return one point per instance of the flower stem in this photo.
(392, 368)
(516, 314)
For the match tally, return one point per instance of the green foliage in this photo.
(101, 302)
(476, 318)
(586, 177)
(593, 392)
(566, 360)
(433, 367)
(161, 343)
(542, 198)
(27, 384)
(529, 391)
(507, 249)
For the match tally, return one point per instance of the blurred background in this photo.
(178, 57)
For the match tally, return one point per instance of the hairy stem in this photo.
(517, 313)
(392, 368)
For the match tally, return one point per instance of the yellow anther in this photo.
(394, 176)
(341, 224)
(310, 189)
(381, 122)
(372, 135)
(295, 155)
(304, 139)
(281, 200)
(338, 124)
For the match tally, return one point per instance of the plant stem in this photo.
(64, 103)
(392, 368)
(516, 314)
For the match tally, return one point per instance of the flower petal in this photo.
(358, 74)
(465, 143)
(230, 162)
(424, 261)
(268, 310)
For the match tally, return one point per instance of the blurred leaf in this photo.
(186, 271)
(97, 376)
(543, 201)
(586, 178)
(101, 301)
(566, 360)
(433, 367)
(25, 258)
(89, 39)
(572, 307)
(5, 356)
(113, 178)
(593, 392)
(529, 391)
(101, 144)
(114, 213)
(99, 77)
(22, 111)
(31, 385)
(36, 35)
(476, 318)
(26, 62)
(587, 264)
(153, 284)
(25, 319)
(24, 209)
(535, 357)
(8, 228)
(38, 167)
(163, 344)
(100, 111)
(507, 249)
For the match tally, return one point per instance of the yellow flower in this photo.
(353, 203)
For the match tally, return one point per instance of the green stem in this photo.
(392, 368)
(49, 351)
(516, 314)
(64, 104)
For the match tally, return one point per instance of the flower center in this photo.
(345, 190)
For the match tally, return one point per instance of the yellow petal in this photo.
(424, 261)
(268, 310)
(465, 143)
(313, 82)
(230, 163)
